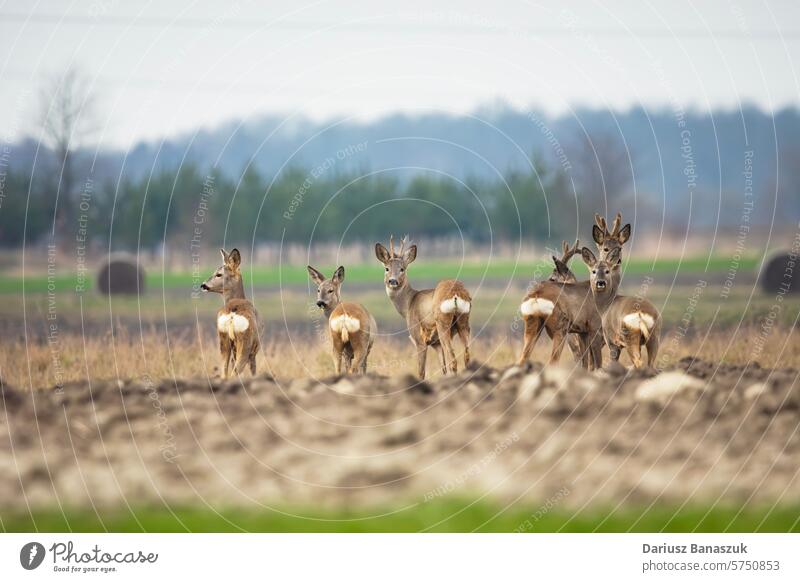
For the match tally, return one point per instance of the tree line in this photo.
(299, 205)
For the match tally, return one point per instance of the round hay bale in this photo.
(781, 274)
(121, 275)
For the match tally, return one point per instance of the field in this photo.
(114, 417)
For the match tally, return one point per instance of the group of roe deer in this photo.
(585, 314)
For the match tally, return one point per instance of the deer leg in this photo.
(359, 353)
(337, 354)
(366, 356)
(443, 327)
(347, 357)
(634, 345)
(533, 329)
(578, 346)
(422, 356)
(559, 341)
(225, 352)
(596, 350)
(464, 333)
(440, 354)
(242, 356)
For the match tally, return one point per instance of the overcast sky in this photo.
(169, 66)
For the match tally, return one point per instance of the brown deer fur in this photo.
(432, 315)
(628, 322)
(562, 274)
(606, 240)
(351, 327)
(237, 321)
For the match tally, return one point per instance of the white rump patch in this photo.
(641, 322)
(635, 320)
(232, 323)
(455, 305)
(537, 306)
(344, 325)
(351, 324)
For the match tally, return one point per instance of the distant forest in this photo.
(296, 207)
(501, 175)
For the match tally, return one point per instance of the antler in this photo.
(615, 226)
(567, 252)
(601, 222)
(391, 245)
(403, 245)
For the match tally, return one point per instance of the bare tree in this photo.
(67, 118)
(603, 175)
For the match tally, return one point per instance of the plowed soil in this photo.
(697, 432)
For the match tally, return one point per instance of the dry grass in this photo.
(36, 364)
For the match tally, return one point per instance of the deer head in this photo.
(227, 278)
(328, 290)
(395, 263)
(603, 273)
(562, 273)
(607, 240)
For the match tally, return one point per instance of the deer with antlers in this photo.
(562, 307)
(628, 322)
(432, 315)
(237, 321)
(561, 274)
(576, 309)
(351, 326)
(606, 240)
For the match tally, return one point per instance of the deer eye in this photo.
(330, 291)
(387, 269)
(402, 270)
(219, 274)
(606, 271)
(594, 272)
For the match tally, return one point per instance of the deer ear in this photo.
(588, 257)
(597, 234)
(624, 234)
(614, 256)
(562, 267)
(235, 258)
(224, 255)
(410, 255)
(338, 276)
(315, 275)
(382, 253)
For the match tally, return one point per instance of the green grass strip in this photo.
(443, 515)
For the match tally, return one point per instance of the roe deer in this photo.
(606, 240)
(237, 321)
(563, 308)
(628, 322)
(562, 274)
(351, 326)
(432, 315)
